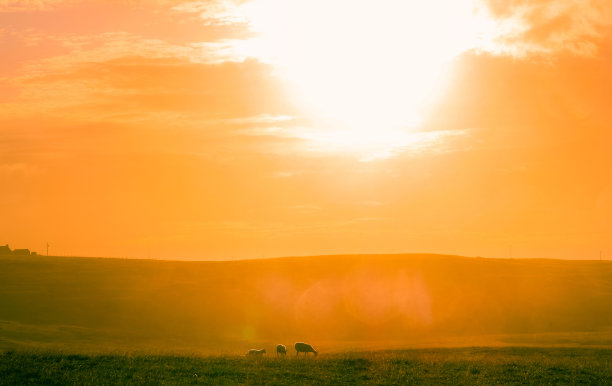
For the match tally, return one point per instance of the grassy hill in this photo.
(334, 302)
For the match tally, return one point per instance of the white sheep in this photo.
(257, 352)
(305, 348)
(281, 349)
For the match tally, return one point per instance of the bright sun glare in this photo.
(363, 68)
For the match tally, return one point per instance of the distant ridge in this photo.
(297, 257)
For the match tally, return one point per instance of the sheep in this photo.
(281, 349)
(305, 348)
(257, 352)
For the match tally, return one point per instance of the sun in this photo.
(364, 68)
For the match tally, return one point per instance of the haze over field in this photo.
(337, 302)
(231, 129)
(159, 159)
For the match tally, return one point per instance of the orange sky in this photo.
(240, 129)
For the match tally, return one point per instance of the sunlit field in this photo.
(336, 303)
(379, 319)
(428, 366)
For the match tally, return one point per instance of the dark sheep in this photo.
(305, 348)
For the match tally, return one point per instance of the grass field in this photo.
(337, 303)
(375, 318)
(429, 366)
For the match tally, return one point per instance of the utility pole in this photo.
(47, 249)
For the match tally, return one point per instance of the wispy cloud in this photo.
(31, 5)
(49, 5)
(369, 146)
(87, 49)
(219, 12)
(551, 26)
(286, 174)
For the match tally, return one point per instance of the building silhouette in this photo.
(6, 250)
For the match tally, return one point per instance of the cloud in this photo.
(552, 26)
(68, 51)
(284, 174)
(48, 5)
(155, 78)
(30, 5)
(80, 109)
(540, 100)
(219, 12)
(82, 49)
